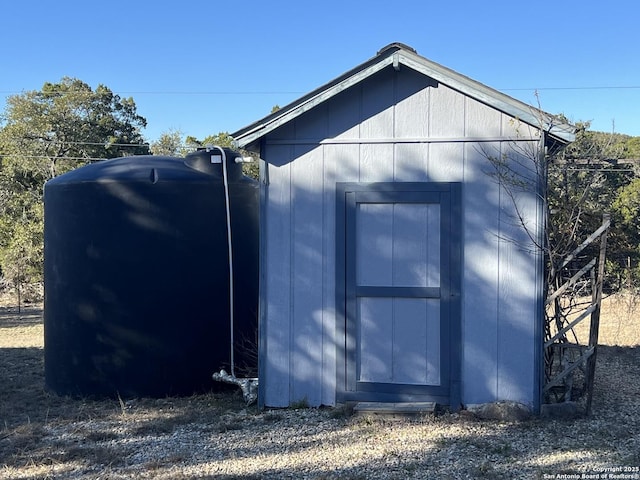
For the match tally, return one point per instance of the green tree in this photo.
(22, 257)
(67, 124)
(626, 233)
(222, 139)
(586, 181)
(45, 133)
(591, 145)
(633, 147)
(169, 143)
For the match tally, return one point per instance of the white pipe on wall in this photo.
(225, 181)
(249, 386)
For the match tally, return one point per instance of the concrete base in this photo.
(391, 410)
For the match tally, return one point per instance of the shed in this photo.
(394, 266)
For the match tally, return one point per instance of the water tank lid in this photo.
(139, 168)
(209, 161)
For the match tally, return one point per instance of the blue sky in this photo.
(205, 66)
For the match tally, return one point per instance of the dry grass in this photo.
(619, 321)
(43, 435)
(30, 415)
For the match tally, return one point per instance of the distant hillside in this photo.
(602, 145)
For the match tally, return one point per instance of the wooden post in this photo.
(596, 299)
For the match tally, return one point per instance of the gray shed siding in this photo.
(395, 126)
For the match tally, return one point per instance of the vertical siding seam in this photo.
(263, 196)
(323, 245)
(394, 103)
(393, 300)
(465, 117)
(501, 279)
(541, 223)
(500, 285)
(462, 286)
(292, 240)
(360, 119)
(428, 107)
(323, 315)
(462, 291)
(429, 113)
(428, 132)
(428, 272)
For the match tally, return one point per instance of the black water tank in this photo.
(136, 276)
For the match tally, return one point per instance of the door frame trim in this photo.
(451, 282)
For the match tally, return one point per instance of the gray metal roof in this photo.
(396, 55)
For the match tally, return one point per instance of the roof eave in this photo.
(254, 131)
(517, 109)
(561, 132)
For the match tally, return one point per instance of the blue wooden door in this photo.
(398, 301)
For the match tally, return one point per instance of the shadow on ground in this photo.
(25, 316)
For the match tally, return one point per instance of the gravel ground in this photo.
(217, 436)
(167, 440)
